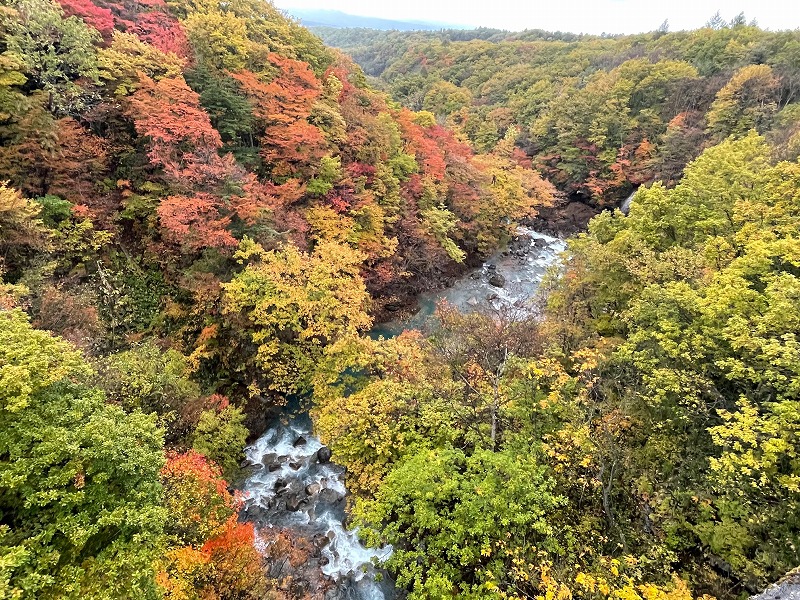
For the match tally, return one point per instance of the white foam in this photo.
(348, 560)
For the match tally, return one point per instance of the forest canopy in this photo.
(204, 211)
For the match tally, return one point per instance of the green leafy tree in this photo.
(55, 51)
(748, 101)
(81, 500)
(148, 379)
(461, 524)
(221, 436)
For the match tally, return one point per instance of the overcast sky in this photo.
(579, 16)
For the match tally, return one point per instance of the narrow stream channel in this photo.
(293, 485)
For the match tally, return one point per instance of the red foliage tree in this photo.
(184, 144)
(196, 222)
(196, 496)
(162, 31)
(290, 144)
(181, 137)
(422, 143)
(102, 19)
(238, 571)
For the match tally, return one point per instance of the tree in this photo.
(81, 500)
(181, 139)
(221, 436)
(748, 101)
(716, 22)
(56, 52)
(150, 380)
(184, 144)
(460, 524)
(211, 554)
(290, 143)
(294, 304)
(196, 498)
(98, 17)
(120, 63)
(21, 228)
(480, 351)
(376, 401)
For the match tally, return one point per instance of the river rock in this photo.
(788, 588)
(324, 454)
(301, 441)
(492, 297)
(273, 467)
(491, 268)
(293, 486)
(497, 280)
(269, 459)
(313, 488)
(295, 466)
(294, 502)
(320, 540)
(328, 496)
(473, 301)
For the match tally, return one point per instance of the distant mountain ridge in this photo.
(311, 17)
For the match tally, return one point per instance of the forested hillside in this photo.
(199, 198)
(598, 116)
(204, 211)
(643, 436)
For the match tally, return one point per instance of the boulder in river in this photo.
(294, 502)
(294, 486)
(497, 280)
(473, 301)
(313, 488)
(320, 540)
(296, 466)
(324, 454)
(328, 496)
(788, 588)
(269, 459)
(301, 441)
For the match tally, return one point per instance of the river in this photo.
(293, 486)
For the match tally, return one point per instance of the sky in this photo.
(577, 16)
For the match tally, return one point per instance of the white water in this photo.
(626, 205)
(296, 473)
